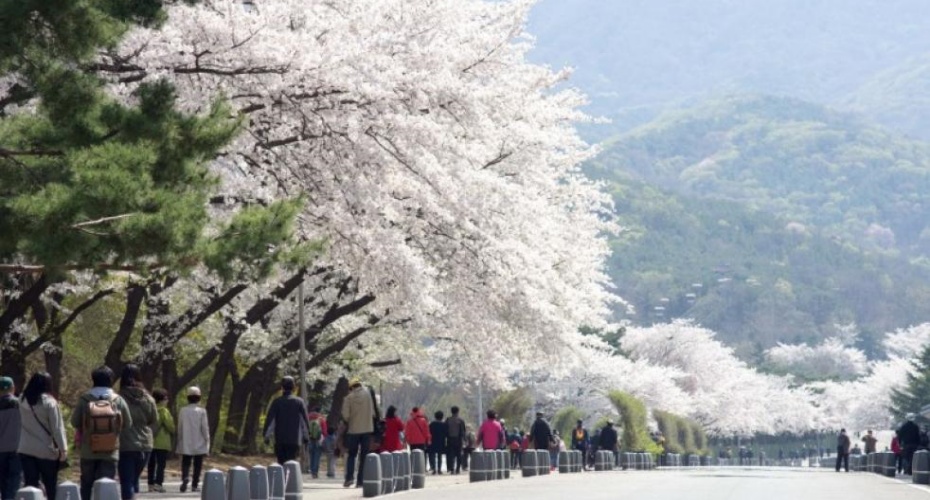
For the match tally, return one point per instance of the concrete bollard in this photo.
(889, 464)
(418, 474)
(599, 461)
(476, 467)
(408, 483)
(529, 468)
(371, 481)
(214, 485)
(29, 493)
(494, 462)
(105, 489)
(543, 462)
(506, 464)
(275, 482)
(397, 458)
(387, 473)
(237, 484)
(920, 466)
(258, 483)
(293, 481)
(68, 491)
(564, 462)
(503, 462)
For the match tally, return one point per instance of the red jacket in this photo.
(895, 446)
(392, 428)
(417, 429)
(312, 415)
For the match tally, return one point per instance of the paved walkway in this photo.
(712, 483)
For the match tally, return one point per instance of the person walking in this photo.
(193, 439)
(164, 430)
(393, 428)
(437, 448)
(540, 433)
(416, 430)
(580, 441)
(491, 433)
(842, 451)
(358, 413)
(100, 414)
(11, 472)
(471, 442)
(43, 445)
(287, 423)
(455, 440)
(898, 458)
(608, 440)
(136, 440)
(909, 439)
(869, 441)
(317, 433)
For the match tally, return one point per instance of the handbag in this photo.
(62, 464)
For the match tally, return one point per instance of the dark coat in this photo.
(608, 439)
(541, 434)
(440, 433)
(909, 434)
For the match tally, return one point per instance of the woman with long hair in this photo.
(43, 446)
(393, 428)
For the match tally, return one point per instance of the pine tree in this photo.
(917, 391)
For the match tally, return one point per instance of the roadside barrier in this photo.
(105, 489)
(476, 467)
(371, 478)
(237, 484)
(542, 462)
(29, 493)
(213, 486)
(418, 469)
(564, 462)
(275, 482)
(293, 481)
(68, 491)
(258, 483)
(529, 467)
(387, 473)
(920, 466)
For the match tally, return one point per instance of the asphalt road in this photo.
(706, 483)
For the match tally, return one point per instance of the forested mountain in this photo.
(791, 219)
(898, 97)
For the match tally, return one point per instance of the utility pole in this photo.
(303, 341)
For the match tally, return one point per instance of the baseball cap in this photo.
(193, 390)
(6, 383)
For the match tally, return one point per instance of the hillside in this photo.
(823, 170)
(790, 217)
(898, 98)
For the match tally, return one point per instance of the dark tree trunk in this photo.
(53, 358)
(221, 371)
(258, 401)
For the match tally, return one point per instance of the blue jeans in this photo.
(11, 473)
(355, 442)
(130, 468)
(315, 449)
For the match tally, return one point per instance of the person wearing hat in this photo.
(540, 433)
(358, 413)
(608, 440)
(11, 472)
(193, 439)
(287, 422)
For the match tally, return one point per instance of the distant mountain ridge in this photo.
(771, 219)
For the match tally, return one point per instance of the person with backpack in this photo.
(515, 444)
(164, 431)
(136, 440)
(193, 439)
(287, 422)
(100, 414)
(455, 440)
(580, 441)
(317, 432)
(11, 472)
(43, 447)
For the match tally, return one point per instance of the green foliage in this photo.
(514, 407)
(668, 426)
(635, 436)
(735, 194)
(914, 395)
(682, 435)
(87, 181)
(564, 421)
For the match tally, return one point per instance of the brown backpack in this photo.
(102, 425)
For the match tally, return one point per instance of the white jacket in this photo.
(193, 431)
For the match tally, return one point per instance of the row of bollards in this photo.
(645, 461)
(492, 465)
(604, 460)
(390, 472)
(260, 483)
(571, 461)
(884, 464)
(535, 463)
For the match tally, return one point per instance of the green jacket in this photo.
(77, 420)
(166, 429)
(138, 436)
